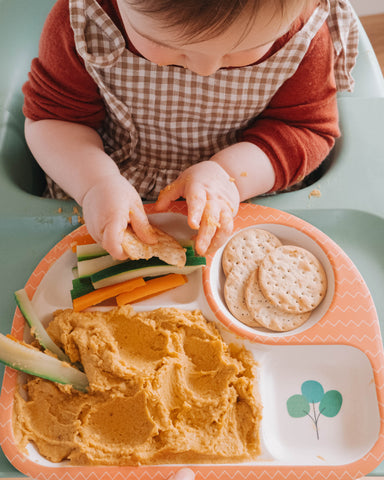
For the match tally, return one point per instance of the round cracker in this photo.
(292, 279)
(234, 289)
(249, 246)
(264, 313)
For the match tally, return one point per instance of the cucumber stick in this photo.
(80, 287)
(86, 252)
(37, 328)
(94, 250)
(153, 267)
(33, 362)
(86, 268)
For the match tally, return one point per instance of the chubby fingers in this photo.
(170, 193)
(197, 204)
(112, 235)
(141, 226)
(216, 225)
(222, 233)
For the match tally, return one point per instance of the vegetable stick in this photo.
(97, 296)
(37, 328)
(89, 250)
(86, 268)
(30, 360)
(152, 287)
(81, 286)
(85, 240)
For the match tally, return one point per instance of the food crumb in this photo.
(75, 210)
(59, 210)
(315, 193)
(212, 222)
(244, 174)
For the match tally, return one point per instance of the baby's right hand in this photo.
(108, 207)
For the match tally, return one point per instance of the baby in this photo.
(215, 101)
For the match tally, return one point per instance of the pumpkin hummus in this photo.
(164, 388)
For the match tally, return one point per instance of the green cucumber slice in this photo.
(88, 267)
(29, 360)
(80, 287)
(87, 252)
(94, 250)
(153, 267)
(189, 250)
(37, 328)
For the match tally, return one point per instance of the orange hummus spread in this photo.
(164, 388)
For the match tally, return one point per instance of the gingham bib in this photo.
(160, 120)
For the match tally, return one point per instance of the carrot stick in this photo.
(97, 296)
(152, 287)
(84, 240)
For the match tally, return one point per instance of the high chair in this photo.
(346, 200)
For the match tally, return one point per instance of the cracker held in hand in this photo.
(167, 248)
(267, 315)
(292, 279)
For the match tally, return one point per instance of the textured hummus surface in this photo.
(164, 388)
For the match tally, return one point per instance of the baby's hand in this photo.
(108, 207)
(212, 198)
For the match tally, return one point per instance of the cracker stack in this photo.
(269, 284)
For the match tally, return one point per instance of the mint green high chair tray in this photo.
(346, 202)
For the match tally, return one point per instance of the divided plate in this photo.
(334, 363)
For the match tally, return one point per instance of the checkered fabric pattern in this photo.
(163, 119)
(343, 26)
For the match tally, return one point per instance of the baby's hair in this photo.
(205, 19)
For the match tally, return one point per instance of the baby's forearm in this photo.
(71, 154)
(250, 168)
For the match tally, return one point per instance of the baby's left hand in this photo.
(212, 198)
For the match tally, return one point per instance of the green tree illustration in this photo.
(312, 393)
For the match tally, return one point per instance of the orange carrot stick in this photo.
(97, 296)
(84, 240)
(152, 287)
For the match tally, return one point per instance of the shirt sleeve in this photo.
(299, 126)
(58, 86)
